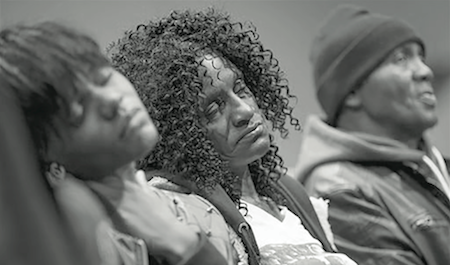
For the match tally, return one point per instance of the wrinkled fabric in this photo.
(387, 206)
(197, 212)
(93, 228)
(287, 241)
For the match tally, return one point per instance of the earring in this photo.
(55, 174)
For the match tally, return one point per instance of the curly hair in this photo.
(161, 60)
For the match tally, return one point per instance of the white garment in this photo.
(321, 208)
(287, 241)
(270, 230)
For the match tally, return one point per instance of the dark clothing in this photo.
(32, 231)
(387, 204)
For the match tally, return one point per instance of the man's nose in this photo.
(422, 72)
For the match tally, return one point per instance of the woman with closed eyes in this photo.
(218, 95)
(88, 126)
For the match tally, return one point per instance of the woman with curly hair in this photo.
(216, 93)
(88, 126)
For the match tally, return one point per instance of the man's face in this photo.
(398, 95)
(111, 128)
(230, 113)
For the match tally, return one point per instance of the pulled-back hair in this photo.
(44, 64)
(162, 60)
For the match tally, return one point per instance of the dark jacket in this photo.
(386, 203)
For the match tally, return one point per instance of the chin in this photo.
(430, 123)
(258, 149)
(148, 138)
(429, 120)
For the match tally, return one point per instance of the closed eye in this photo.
(399, 57)
(102, 77)
(213, 109)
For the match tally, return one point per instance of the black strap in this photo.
(406, 173)
(447, 163)
(220, 199)
(234, 218)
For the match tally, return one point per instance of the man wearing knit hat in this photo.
(388, 188)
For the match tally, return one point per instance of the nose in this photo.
(242, 113)
(109, 104)
(422, 72)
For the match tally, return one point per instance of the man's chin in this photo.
(430, 122)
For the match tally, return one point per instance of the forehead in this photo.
(216, 70)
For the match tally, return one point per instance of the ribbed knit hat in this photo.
(349, 46)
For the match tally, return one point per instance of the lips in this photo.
(428, 98)
(249, 131)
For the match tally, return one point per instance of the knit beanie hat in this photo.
(349, 46)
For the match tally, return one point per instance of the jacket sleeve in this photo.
(363, 229)
(203, 253)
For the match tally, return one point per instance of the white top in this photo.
(269, 230)
(287, 241)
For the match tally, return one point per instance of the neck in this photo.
(365, 125)
(247, 186)
(126, 171)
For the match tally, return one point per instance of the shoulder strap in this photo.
(299, 203)
(234, 218)
(220, 199)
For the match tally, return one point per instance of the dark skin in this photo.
(396, 101)
(235, 125)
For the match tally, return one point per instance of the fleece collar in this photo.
(323, 144)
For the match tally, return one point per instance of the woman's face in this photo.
(231, 115)
(112, 128)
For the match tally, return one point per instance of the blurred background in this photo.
(285, 27)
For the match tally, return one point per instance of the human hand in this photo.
(145, 212)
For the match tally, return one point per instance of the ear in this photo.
(353, 100)
(55, 174)
(54, 151)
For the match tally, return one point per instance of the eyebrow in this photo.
(211, 96)
(410, 49)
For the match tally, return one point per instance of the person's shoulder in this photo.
(75, 198)
(179, 195)
(162, 183)
(335, 177)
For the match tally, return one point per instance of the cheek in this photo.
(93, 138)
(385, 89)
(392, 84)
(91, 147)
(217, 135)
(397, 95)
